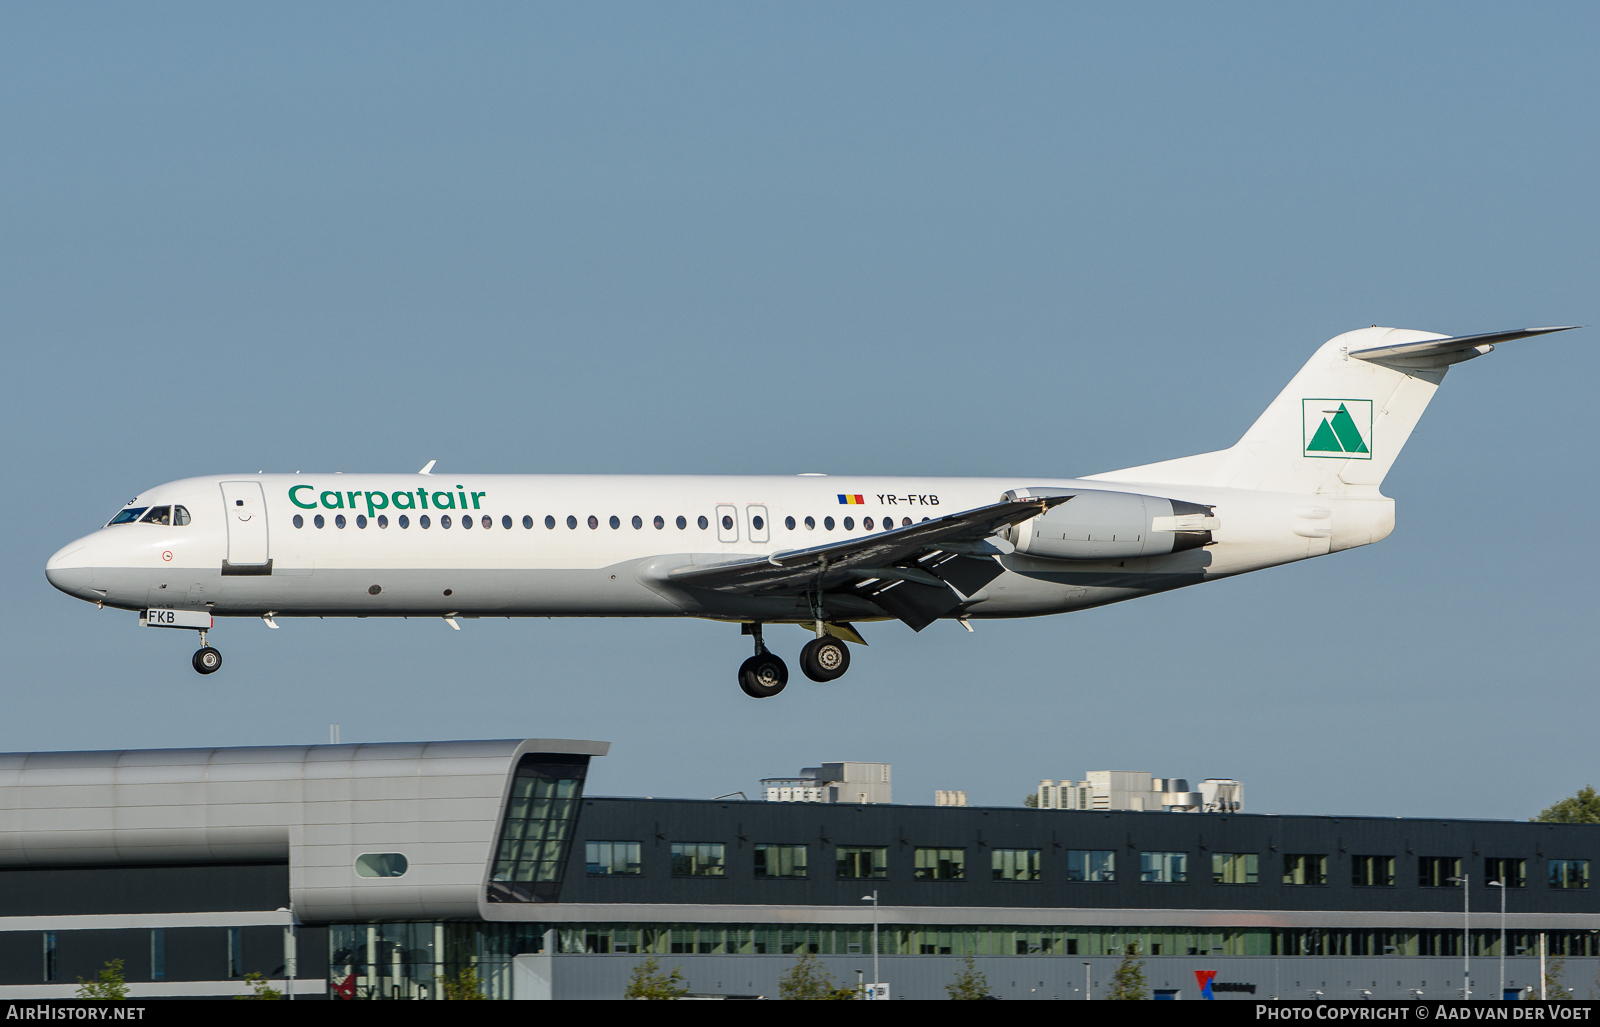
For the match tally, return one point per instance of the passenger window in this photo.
(505, 521)
(381, 864)
(727, 522)
(299, 521)
(849, 524)
(549, 522)
(405, 522)
(318, 521)
(638, 522)
(757, 522)
(158, 515)
(682, 523)
(594, 522)
(572, 522)
(827, 522)
(383, 520)
(614, 522)
(527, 522)
(423, 522)
(466, 522)
(444, 521)
(704, 524)
(659, 523)
(361, 520)
(180, 515)
(338, 520)
(788, 522)
(811, 523)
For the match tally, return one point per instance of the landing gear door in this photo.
(727, 524)
(759, 528)
(245, 508)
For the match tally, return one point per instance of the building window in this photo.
(1569, 873)
(537, 831)
(1511, 873)
(1096, 865)
(940, 865)
(1235, 868)
(1436, 871)
(1372, 871)
(49, 955)
(236, 952)
(1016, 864)
(381, 864)
(612, 859)
(862, 862)
(1163, 867)
(781, 861)
(697, 859)
(1304, 869)
(158, 953)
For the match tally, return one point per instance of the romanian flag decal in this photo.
(852, 501)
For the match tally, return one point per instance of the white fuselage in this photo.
(242, 552)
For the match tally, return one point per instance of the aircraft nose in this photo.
(70, 571)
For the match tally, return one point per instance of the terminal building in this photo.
(374, 871)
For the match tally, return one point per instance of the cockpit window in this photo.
(128, 516)
(157, 515)
(180, 515)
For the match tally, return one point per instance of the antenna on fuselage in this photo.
(428, 467)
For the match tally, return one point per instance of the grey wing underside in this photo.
(916, 573)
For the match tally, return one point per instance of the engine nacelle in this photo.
(1095, 525)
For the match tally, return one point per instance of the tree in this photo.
(111, 984)
(807, 980)
(261, 988)
(649, 983)
(1128, 982)
(969, 983)
(1552, 978)
(1031, 800)
(1583, 808)
(464, 986)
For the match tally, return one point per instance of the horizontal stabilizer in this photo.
(1443, 347)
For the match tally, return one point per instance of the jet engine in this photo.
(1094, 525)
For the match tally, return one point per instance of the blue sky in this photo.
(1044, 239)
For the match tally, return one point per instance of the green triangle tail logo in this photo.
(1337, 433)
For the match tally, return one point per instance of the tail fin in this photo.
(1340, 423)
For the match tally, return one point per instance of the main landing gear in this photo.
(206, 659)
(764, 675)
(824, 659)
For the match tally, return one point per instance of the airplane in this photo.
(825, 553)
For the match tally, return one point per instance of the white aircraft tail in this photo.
(1339, 424)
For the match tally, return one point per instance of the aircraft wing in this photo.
(915, 573)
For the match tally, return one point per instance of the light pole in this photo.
(1501, 884)
(873, 898)
(1466, 934)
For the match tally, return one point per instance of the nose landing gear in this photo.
(206, 659)
(763, 675)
